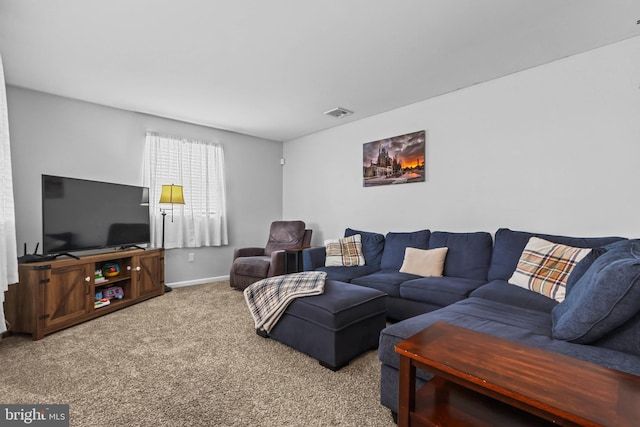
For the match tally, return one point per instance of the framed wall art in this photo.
(396, 160)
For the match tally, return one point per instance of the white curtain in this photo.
(8, 245)
(199, 167)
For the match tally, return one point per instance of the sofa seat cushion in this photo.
(346, 274)
(395, 245)
(441, 291)
(388, 281)
(469, 254)
(506, 293)
(530, 327)
(509, 245)
(253, 266)
(604, 298)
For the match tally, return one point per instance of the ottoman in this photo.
(336, 326)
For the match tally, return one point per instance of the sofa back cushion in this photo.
(469, 254)
(395, 245)
(509, 244)
(372, 245)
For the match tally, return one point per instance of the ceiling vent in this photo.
(338, 112)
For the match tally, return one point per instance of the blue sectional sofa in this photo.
(598, 321)
(466, 267)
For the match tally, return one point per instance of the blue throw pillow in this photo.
(625, 338)
(582, 267)
(372, 245)
(395, 245)
(605, 297)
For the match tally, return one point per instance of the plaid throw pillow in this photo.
(544, 267)
(345, 252)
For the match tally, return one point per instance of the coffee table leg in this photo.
(407, 391)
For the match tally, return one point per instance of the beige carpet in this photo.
(189, 358)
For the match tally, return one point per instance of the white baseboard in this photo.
(197, 281)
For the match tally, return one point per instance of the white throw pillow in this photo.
(424, 262)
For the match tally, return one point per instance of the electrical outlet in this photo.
(192, 257)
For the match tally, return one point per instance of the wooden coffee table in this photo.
(484, 380)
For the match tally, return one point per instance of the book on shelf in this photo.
(101, 303)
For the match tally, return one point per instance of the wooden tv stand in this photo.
(484, 380)
(54, 295)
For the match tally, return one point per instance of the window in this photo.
(8, 246)
(198, 166)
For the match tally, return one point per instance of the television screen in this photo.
(79, 214)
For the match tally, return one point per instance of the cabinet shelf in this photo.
(112, 281)
(58, 294)
(115, 304)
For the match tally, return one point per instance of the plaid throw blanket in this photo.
(268, 298)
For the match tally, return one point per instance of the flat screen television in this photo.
(78, 214)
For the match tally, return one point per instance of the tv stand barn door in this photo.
(66, 293)
(149, 274)
(54, 295)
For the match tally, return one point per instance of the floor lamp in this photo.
(171, 194)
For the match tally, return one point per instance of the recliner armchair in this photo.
(253, 264)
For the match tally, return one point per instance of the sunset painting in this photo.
(397, 160)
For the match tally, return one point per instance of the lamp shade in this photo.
(172, 194)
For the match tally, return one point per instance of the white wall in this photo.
(552, 149)
(60, 136)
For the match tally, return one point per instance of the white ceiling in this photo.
(270, 68)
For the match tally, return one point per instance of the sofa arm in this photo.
(242, 252)
(313, 258)
(277, 263)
